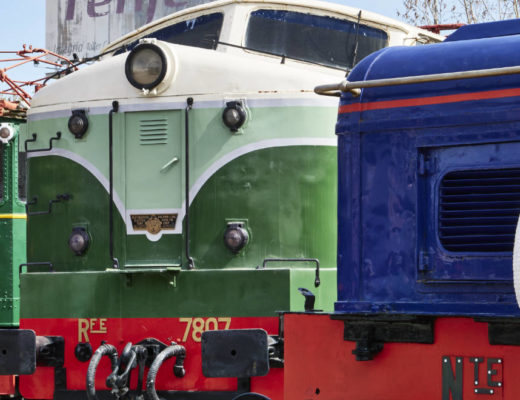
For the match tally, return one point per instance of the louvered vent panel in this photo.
(153, 131)
(479, 210)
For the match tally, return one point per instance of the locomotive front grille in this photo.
(478, 210)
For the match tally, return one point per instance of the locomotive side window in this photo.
(203, 32)
(318, 39)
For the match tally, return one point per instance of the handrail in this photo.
(189, 106)
(335, 89)
(115, 109)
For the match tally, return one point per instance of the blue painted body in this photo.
(486, 30)
(393, 161)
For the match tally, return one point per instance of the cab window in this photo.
(317, 39)
(203, 31)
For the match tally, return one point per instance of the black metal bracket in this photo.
(371, 332)
(240, 353)
(503, 331)
(314, 260)
(276, 351)
(50, 351)
(153, 347)
(309, 299)
(34, 136)
(17, 352)
(367, 349)
(244, 385)
(33, 264)
(60, 378)
(59, 198)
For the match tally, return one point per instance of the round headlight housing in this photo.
(234, 115)
(146, 66)
(236, 237)
(79, 241)
(78, 123)
(6, 133)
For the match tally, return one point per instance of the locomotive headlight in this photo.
(78, 123)
(235, 237)
(79, 241)
(234, 115)
(149, 66)
(6, 133)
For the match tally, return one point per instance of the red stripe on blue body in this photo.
(425, 101)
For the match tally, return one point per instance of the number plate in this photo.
(465, 377)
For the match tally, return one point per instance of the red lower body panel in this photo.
(119, 331)
(459, 365)
(7, 385)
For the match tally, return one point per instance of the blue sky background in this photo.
(23, 22)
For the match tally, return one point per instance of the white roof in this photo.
(198, 72)
(314, 6)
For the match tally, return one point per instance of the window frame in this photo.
(314, 12)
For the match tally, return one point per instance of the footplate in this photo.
(17, 352)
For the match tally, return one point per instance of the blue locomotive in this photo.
(429, 179)
(429, 198)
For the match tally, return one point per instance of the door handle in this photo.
(169, 163)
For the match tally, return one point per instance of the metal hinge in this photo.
(424, 262)
(426, 165)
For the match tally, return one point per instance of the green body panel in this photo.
(169, 294)
(48, 234)
(286, 196)
(277, 175)
(139, 251)
(153, 141)
(210, 140)
(286, 217)
(12, 234)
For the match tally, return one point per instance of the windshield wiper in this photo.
(282, 56)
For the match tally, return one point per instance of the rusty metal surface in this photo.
(15, 95)
(438, 28)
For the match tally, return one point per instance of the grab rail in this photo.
(335, 89)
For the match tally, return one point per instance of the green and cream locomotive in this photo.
(187, 183)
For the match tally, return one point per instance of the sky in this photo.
(23, 22)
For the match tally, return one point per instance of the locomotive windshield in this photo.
(318, 39)
(203, 31)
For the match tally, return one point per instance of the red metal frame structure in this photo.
(441, 27)
(17, 89)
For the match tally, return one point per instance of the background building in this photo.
(85, 27)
